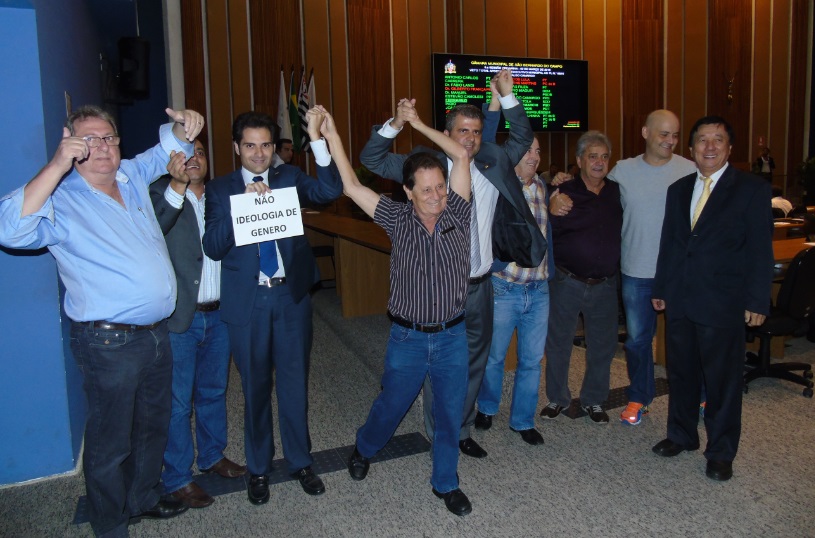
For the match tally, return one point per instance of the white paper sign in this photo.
(256, 219)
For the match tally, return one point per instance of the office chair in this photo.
(797, 212)
(778, 213)
(789, 316)
(320, 251)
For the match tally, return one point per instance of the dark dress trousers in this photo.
(709, 277)
(269, 328)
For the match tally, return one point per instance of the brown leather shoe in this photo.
(226, 468)
(192, 495)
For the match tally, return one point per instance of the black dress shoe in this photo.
(311, 482)
(531, 436)
(165, 508)
(455, 501)
(669, 449)
(482, 421)
(258, 489)
(358, 465)
(719, 470)
(469, 447)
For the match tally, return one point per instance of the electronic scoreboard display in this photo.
(553, 92)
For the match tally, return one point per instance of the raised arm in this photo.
(460, 179)
(40, 187)
(364, 197)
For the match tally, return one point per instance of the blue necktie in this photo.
(268, 252)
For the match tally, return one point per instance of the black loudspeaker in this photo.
(134, 67)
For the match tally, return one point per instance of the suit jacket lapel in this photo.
(236, 184)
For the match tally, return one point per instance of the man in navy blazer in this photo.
(198, 337)
(265, 300)
(714, 274)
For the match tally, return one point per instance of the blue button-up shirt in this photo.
(112, 259)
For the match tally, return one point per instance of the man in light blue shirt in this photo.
(92, 210)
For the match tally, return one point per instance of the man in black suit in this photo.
(713, 275)
(502, 225)
(198, 337)
(265, 300)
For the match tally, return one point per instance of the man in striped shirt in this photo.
(430, 263)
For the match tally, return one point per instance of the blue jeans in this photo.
(411, 356)
(127, 380)
(200, 369)
(525, 307)
(641, 325)
(598, 303)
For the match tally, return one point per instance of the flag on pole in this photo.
(294, 117)
(307, 100)
(283, 121)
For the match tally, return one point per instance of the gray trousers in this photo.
(599, 305)
(478, 311)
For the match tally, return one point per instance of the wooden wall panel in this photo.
(796, 150)
(760, 121)
(685, 61)
(275, 30)
(438, 27)
(614, 110)
(673, 60)
(694, 66)
(506, 34)
(537, 28)
(454, 30)
(337, 81)
(473, 27)
(779, 82)
(729, 70)
(573, 49)
(195, 88)
(221, 159)
(239, 68)
(556, 142)
(420, 49)
(594, 50)
(370, 85)
(401, 67)
(642, 54)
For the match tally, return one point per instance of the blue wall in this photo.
(46, 48)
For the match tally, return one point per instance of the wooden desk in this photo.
(781, 228)
(362, 253)
(784, 250)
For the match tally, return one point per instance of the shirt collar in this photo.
(249, 177)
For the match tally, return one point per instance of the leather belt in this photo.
(125, 327)
(479, 279)
(585, 280)
(211, 306)
(272, 282)
(427, 327)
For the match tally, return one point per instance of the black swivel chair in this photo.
(321, 251)
(789, 316)
(778, 213)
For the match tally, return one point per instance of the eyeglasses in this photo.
(96, 141)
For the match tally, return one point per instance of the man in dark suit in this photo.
(502, 225)
(265, 300)
(713, 275)
(198, 337)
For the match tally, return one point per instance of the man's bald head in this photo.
(661, 134)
